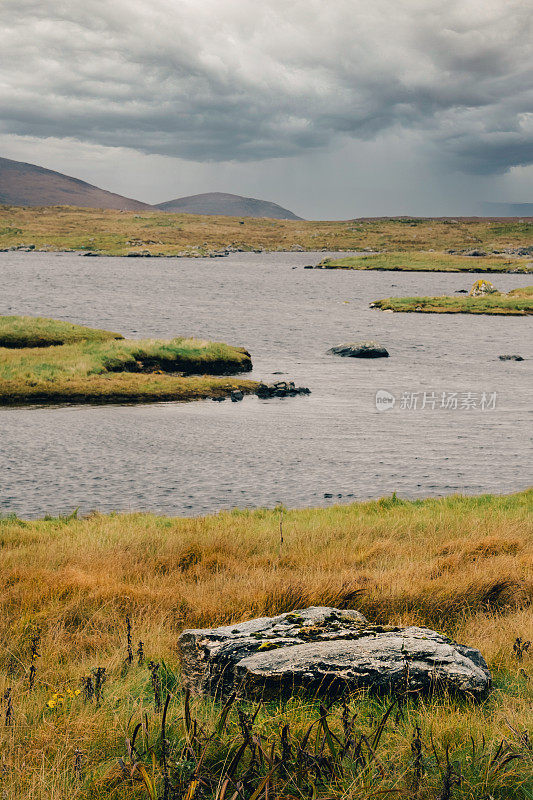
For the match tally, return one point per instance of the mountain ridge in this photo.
(25, 184)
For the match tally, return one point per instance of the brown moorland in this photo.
(152, 232)
(77, 683)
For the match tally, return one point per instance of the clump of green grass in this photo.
(429, 262)
(106, 367)
(518, 302)
(20, 331)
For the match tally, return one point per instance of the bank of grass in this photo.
(518, 302)
(105, 369)
(462, 565)
(430, 262)
(157, 233)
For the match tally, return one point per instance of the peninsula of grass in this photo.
(92, 609)
(155, 233)
(106, 368)
(429, 262)
(517, 302)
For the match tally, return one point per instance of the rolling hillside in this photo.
(24, 184)
(226, 205)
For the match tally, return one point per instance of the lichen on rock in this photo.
(323, 650)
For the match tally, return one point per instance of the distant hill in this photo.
(226, 205)
(507, 209)
(24, 184)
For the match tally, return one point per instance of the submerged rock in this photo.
(324, 650)
(280, 389)
(360, 350)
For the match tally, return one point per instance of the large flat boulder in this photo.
(324, 650)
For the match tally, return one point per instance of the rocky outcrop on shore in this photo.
(323, 650)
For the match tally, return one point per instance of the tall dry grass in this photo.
(460, 565)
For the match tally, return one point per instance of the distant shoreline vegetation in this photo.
(47, 361)
(156, 233)
(518, 302)
(431, 262)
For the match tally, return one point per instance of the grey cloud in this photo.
(240, 80)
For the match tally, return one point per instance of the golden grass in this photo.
(123, 232)
(460, 565)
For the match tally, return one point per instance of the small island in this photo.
(48, 361)
(517, 302)
(429, 261)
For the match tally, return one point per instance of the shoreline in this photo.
(152, 234)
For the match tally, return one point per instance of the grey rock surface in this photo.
(209, 655)
(360, 350)
(324, 650)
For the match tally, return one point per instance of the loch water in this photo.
(331, 446)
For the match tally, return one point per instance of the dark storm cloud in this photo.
(246, 80)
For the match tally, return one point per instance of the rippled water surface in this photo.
(189, 458)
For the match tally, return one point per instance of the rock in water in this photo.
(360, 350)
(482, 287)
(326, 651)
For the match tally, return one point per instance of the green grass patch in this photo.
(103, 367)
(430, 262)
(20, 331)
(518, 302)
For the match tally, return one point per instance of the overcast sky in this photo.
(332, 108)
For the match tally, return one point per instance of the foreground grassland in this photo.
(105, 368)
(124, 232)
(430, 262)
(518, 302)
(461, 565)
